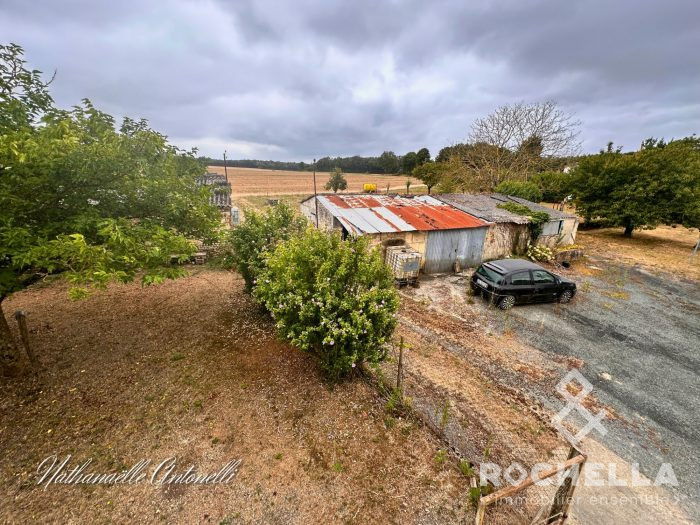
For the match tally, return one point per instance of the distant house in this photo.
(444, 235)
(220, 195)
(509, 232)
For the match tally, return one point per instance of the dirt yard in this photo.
(664, 248)
(253, 181)
(192, 369)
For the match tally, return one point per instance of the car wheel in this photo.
(507, 302)
(565, 296)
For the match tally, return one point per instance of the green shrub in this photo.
(523, 189)
(554, 185)
(334, 298)
(258, 235)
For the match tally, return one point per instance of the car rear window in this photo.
(490, 274)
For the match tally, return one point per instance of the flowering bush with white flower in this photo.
(539, 252)
(334, 298)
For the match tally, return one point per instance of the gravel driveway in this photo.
(638, 336)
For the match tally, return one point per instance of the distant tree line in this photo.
(387, 163)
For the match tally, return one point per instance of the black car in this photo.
(515, 281)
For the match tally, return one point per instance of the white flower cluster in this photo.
(539, 253)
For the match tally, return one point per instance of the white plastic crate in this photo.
(404, 261)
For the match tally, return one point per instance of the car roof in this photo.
(510, 265)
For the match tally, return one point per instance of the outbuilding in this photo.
(446, 237)
(509, 232)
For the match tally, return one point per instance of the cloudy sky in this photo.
(296, 80)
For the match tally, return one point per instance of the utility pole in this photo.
(225, 170)
(315, 196)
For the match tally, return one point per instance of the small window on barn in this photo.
(520, 278)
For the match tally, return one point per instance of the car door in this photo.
(520, 285)
(546, 287)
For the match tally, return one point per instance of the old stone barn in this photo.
(509, 232)
(444, 235)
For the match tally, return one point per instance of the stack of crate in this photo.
(404, 262)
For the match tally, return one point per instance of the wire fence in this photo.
(482, 445)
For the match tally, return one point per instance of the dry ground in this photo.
(253, 181)
(664, 248)
(192, 369)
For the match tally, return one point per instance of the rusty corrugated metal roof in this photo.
(393, 213)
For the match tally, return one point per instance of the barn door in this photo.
(445, 247)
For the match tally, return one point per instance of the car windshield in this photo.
(490, 274)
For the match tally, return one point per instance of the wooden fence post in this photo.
(21, 319)
(565, 492)
(399, 371)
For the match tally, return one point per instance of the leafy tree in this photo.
(423, 156)
(409, 162)
(337, 181)
(431, 173)
(389, 162)
(446, 153)
(522, 189)
(656, 185)
(253, 240)
(79, 197)
(331, 297)
(554, 185)
(532, 146)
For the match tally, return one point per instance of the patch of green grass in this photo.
(177, 356)
(440, 457)
(279, 456)
(197, 404)
(466, 468)
(338, 467)
(445, 415)
(215, 441)
(393, 404)
(475, 494)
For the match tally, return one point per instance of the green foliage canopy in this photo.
(331, 297)
(423, 156)
(337, 181)
(260, 233)
(554, 185)
(409, 162)
(430, 173)
(78, 195)
(660, 184)
(523, 189)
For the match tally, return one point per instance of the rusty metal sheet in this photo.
(393, 213)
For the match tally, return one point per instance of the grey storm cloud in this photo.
(297, 80)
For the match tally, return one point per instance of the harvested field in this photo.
(253, 181)
(192, 369)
